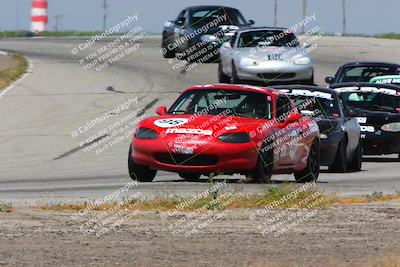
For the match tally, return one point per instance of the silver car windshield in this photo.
(267, 38)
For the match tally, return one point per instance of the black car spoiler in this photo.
(304, 87)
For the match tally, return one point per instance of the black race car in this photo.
(199, 31)
(340, 134)
(377, 109)
(362, 72)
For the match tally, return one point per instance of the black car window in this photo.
(181, 15)
(283, 108)
(186, 18)
(372, 101)
(365, 73)
(343, 107)
(233, 40)
(316, 107)
(223, 16)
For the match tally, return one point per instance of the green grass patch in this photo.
(12, 74)
(274, 197)
(8, 34)
(5, 207)
(391, 35)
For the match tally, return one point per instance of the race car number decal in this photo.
(369, 129)
(168, 123)
(362, 119)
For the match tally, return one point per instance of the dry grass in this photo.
(271, 197)
(374, 197)
(10, 75)
(5, 207)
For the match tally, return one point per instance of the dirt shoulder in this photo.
(6, 62)
(343, 235)
(12, 66)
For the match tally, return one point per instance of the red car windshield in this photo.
(227, 102)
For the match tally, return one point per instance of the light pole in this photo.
(303, 30)
(58, 22)
(344, 2)
(105, 6)
(275, 13)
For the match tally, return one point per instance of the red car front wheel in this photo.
(139, 172)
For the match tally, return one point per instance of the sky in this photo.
(363, 16)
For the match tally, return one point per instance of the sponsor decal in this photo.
(229, 128)
(181, 149)
(362, 119)
(171, 122)
(298, 92)
(369, 129)
(386, 79)
(368, 89)
(188, 131)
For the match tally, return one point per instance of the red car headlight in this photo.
(235, 138)
(146, 133)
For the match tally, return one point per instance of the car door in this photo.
(286, 143)
(179, 30)
(226, 52)
(352, 128)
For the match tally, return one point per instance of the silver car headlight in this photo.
(302, 61)
(391, 127)
(246, 61)
(209, 38)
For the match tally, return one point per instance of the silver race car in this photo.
(271, 55)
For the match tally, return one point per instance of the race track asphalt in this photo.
(40, 161)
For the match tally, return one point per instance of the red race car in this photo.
(226, 129)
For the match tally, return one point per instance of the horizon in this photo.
(72, 15)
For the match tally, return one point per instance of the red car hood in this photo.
(201, 126)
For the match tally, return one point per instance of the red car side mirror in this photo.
(292, 118)
(161, 110)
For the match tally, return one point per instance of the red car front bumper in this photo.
(213, 157)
